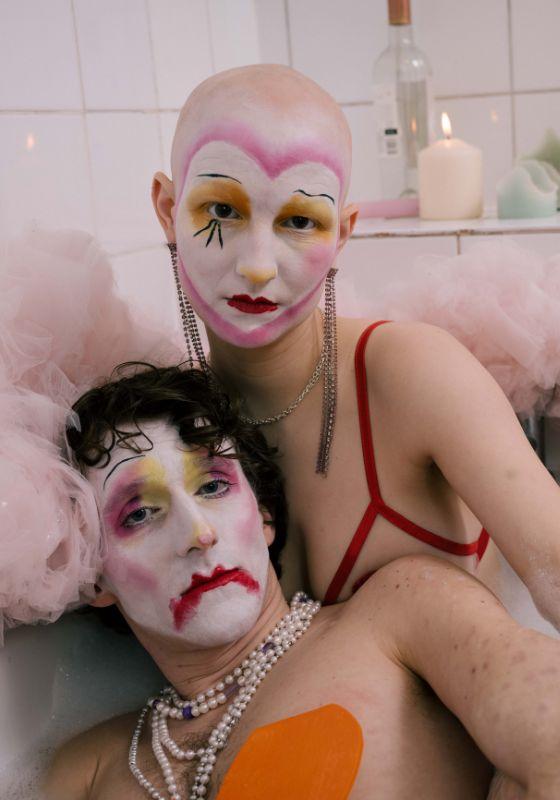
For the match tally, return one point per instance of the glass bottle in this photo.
(403, 105)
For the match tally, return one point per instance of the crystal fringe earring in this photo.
(188, 318)
(330, 375)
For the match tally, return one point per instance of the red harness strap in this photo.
(377, 505)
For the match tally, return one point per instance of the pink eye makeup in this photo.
(217, 486)
(123, 511)
(139, 514)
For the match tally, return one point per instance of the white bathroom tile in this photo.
(145, 280)
(534, 113)
(38, 58)
(466, 44)
(535, 28)
(365, 183)
(546, 244)
(272, 24)
(125, 153)
(486, 123)
(369, 266)
(234, 31)
(44, 176)
(168, 123)
(337, 43)
(182, 48)
(115, 54)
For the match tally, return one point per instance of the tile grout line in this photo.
(343, 104)
(154, 79)
(288, 33)
(511, 83)
(83, 115)
(474, 96)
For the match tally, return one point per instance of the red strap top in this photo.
(377, 505)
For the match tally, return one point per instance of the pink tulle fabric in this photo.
(62, 329)
(501, 301)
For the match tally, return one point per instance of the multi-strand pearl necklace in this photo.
(242, 682)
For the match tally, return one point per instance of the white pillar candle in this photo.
(450, 178)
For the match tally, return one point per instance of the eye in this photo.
(223, 211)
(140, 516)
(214, 488)
(299, 223)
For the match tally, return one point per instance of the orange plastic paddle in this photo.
(313, 756)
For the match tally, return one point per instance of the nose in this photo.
(205, 538)
(194, 533)
(257, 276)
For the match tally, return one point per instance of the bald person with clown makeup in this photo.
(393, 439)
(408, 689)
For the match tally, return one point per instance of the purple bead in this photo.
(187, 714)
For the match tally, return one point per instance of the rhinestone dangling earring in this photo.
(188, 318)
(330, 375)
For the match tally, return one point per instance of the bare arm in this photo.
(499, 679)
(458, 417)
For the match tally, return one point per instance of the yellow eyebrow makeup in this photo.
(216, 191)
(317, 210)
(194, 468)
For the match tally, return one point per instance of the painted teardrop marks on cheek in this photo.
(212, 225)
(222, 190)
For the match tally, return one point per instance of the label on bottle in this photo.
(389, 144)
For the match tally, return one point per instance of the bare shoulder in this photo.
(432, 578)
(77, 763)
(429, 384)
(415, 350)
(427, 602)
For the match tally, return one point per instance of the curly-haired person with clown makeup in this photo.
(414, 687)
(411, 447)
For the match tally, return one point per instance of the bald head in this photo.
(261, 165)
(277, 104)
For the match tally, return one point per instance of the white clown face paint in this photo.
(255, 244)
(186, 552)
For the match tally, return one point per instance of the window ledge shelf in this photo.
(487, 225)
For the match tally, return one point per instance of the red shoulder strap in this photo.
(364, 412)
(357, 542)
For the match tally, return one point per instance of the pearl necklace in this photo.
(242, 681)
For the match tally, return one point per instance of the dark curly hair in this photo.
(138, 392)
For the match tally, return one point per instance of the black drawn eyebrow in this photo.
(130, 458)
(314, 195)
(217, 175)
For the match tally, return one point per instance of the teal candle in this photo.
(526, 191)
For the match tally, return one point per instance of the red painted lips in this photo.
(251, 305)
(183, 606)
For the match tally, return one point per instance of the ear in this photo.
(103, 598)
(163, 198)
(346, 226)
(268, 526)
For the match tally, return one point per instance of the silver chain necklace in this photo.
(327, 364)
(315, 375)
(243, 681)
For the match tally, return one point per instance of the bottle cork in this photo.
(399, 12)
